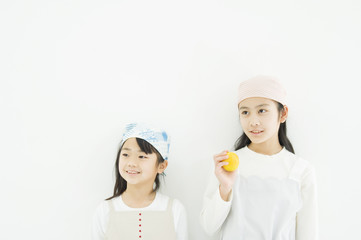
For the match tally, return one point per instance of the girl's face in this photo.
(260, 119)
(137, 167)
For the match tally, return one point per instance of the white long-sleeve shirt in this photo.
(274, 197)
(160, 203)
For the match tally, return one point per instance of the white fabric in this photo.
(274, 198)
(160, 203)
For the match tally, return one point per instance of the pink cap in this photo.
(262, 86)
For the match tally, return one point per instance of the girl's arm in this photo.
(307, 217)
(99, 221)
(181, 223)
(218, 196)
(215, 209)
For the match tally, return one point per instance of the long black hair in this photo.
(120, 183)
(243, 140)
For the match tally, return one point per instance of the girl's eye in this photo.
(244, 112)
(262, 111)
(142, 157)
(124, 155)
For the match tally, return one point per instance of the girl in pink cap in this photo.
(272, 194)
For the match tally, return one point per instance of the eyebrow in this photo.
(128, 149)
(258, 106)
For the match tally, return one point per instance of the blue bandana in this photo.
(158, 138)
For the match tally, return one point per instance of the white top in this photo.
(160, 203)
(274, 197)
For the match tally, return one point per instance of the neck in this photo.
(270, 147)
(138, 196)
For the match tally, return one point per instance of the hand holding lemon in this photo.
(233, 162)
(225, 173)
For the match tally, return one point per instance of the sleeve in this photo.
(99, 222)
(180, 220)
(215, 209)
(307, 216)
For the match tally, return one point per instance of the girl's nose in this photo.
(255, 122)
(132, 162)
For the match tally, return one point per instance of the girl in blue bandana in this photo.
(136, 210)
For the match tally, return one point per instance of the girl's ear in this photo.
(284, 114)
(162, 166)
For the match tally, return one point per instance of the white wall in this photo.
(74, 72)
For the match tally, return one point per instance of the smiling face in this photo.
(137, 167)
(260, 120)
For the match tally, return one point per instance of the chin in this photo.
(257, 140)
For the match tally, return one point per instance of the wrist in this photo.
(225, 192)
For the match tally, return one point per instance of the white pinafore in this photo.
(264, 208)
(137, 225)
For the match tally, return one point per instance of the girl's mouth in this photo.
(256, 132)
(132, 172)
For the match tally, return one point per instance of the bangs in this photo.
(146, 146)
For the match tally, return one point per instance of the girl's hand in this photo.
(226, 179)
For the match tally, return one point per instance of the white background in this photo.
(72, 73)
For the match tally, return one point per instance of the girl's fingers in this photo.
(221, 164)
(220, 158)
(222, 154)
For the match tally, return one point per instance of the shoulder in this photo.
(102, 210)
(241, 151)
(100, 220)
(301, 167)
(305, 164)
(178, 206)
(105, 206)
(164, 200)
(243, 154)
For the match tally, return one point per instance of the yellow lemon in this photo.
(233, 162)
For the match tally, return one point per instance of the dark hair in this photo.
(243, 140)
(120, 183)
